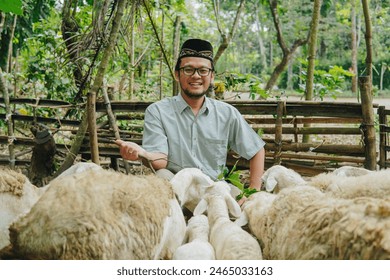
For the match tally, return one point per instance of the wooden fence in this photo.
(336, 134)
(384, 131)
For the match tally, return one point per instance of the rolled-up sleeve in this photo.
(154, 136)
(243, 139)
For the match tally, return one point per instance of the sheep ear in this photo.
(242, 220)
(201, 207)
(233, 206)
(270, 184)
(203, 181)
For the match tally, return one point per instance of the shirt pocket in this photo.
(215, 152)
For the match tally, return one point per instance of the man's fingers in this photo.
(119, 142)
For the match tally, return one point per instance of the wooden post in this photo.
(382, 136)
(367, 125)
(91, 103)
(280, 110)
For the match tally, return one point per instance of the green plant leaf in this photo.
(11, 6)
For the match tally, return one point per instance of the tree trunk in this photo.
(98, 81)
(368, 123)
(383, 70)
(263, 57)
(71, 156)
(131, 53)
(290, 75)
(10, 125)
(287, 53)
(93, 140)
(368, 37)
(354, 64)
(227, 38)
(311, 57)
(2, 21)
(77, 142)
(176, 47)
(10, 45)
(69, 29)
(158, 39)
(312, 49)
(162, 57)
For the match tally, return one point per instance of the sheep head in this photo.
(189, 185)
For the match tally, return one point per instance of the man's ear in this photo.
(176, 76)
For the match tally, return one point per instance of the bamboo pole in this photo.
(382, 136)
(92, 127)
(113, 125)
(322, 148)
(279, 131)
(367, 125)
(10, 125)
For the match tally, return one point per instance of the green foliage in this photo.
(11, 6)
(233, 177)
(326, 83)
(250, 82)
(46, 73)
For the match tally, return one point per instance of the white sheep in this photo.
(17, 196)
(344, 182)
(304, 223)
(229, 240)
(191, 184)
(196, 241)
(101, 214)
(350, 171)
(79, 167)
(279, 177)
(371, 184)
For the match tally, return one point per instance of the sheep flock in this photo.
(90, 213)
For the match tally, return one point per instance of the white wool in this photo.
(79, 168)
(191, 184)
(229, 240)
(279, 177)
(350, 171)
(304, 223)
(102, 214)
(197, 246)
(13, 206)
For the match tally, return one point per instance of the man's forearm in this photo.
(256, 169)
(157, 160)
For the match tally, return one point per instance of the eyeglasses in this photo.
(189, 71)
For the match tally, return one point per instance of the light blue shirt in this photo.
(200, 141)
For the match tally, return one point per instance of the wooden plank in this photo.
(37, 102)
(355, 150)
(311, 130)
(297, 120)
(25, 118)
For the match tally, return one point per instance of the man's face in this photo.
(194, 86)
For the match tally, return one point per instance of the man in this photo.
(192, 130)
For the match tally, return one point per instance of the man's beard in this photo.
(194, 95)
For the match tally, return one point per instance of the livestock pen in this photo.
(337, 131)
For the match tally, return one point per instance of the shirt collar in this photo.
(182, 105)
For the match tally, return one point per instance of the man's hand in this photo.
(130, 150)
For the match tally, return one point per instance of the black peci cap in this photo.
(195, 48)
